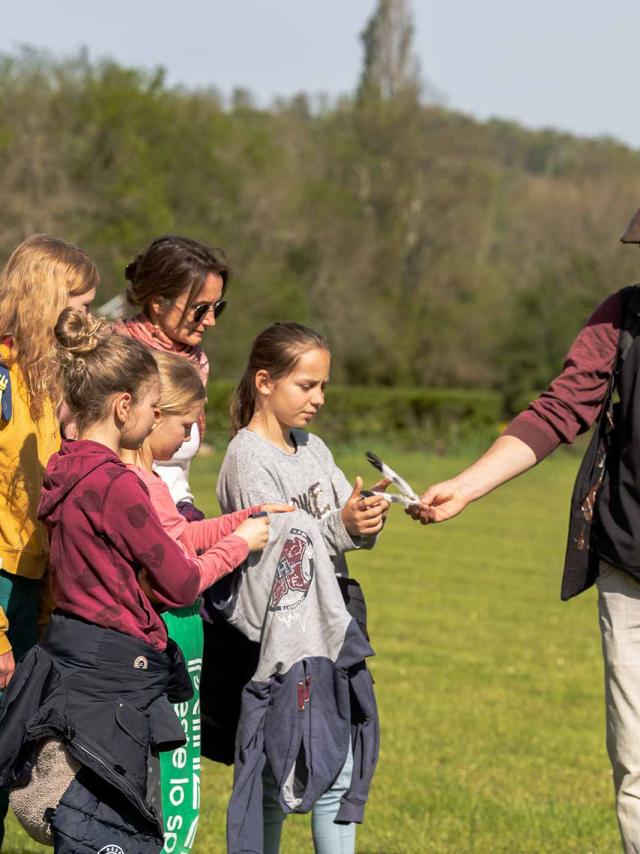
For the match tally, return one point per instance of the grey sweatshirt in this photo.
(287, 598)
(255, 471)
(311, 694)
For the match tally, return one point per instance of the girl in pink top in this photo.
(229, 538)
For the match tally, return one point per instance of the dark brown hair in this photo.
(171, 265)
(94, 363)
(276, 350)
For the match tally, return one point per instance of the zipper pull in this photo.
(307, 689)
(301, 696)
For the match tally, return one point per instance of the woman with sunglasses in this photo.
(178, 284)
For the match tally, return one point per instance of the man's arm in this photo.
(568, 407)
(506, 458)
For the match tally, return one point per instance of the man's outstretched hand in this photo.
(506, 458)
(439, 503)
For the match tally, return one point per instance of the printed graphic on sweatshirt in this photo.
(294, 572)
(311, 502)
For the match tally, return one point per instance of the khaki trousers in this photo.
(619, 612)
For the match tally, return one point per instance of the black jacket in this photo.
(106, 696)
(605, 506)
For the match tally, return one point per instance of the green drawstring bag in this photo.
(180, 768)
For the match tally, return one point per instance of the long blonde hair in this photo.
(35, 285)
(180, 383)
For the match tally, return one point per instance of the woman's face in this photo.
(168, 314)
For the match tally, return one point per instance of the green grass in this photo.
(490, 688)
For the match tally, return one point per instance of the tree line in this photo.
(432, 249)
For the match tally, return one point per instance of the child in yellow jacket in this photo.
(43, 275)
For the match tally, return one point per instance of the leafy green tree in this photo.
(431, 248)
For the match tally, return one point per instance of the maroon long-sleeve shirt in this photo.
(103, 531)
(573, 400)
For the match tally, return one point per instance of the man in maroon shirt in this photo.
(569, 406)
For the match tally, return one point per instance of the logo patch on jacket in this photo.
(294, 572)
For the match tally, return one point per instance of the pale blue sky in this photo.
(570, 64)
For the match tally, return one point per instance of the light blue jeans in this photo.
(328, 837)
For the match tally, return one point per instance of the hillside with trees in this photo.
(431, 248)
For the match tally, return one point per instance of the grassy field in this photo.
(490, 688)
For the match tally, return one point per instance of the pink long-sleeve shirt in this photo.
(104, 530)
(224, 550)
(572, 402)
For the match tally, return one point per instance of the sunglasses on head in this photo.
(201, 309)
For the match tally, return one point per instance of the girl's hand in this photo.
(363, 516)
(381, 486)
(143, 581)
(277, 508)
(7, 666)
(255, 532)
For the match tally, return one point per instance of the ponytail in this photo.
(243, 402)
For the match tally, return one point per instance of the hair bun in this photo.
(79, 334)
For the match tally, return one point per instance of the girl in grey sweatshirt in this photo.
(272, 458)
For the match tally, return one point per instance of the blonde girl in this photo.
(43, 275)
(181, 404)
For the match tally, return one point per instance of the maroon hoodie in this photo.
(103, 530)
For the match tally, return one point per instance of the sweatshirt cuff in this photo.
(350, 812)
(344, 541)
(541, 438)
(240, 547)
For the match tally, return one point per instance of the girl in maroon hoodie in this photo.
(93, 694)
(103, 529)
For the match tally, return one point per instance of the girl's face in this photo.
(297, 397)
(171, 431)
(81, 301)
(168, 314)
(138, 416)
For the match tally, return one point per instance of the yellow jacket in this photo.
(25, 448)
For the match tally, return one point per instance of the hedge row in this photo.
(441, 419)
